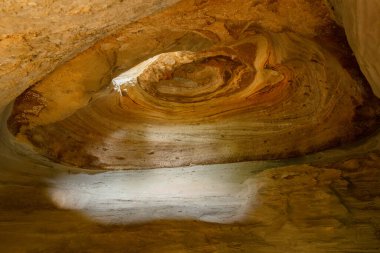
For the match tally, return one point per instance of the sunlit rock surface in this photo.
(328, 201)
(37, 36)
(222, 65)
(209, 91)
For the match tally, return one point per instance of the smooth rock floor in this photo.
(326, 202)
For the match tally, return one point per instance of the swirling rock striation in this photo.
(258, 95)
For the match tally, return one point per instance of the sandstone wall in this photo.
(37, 36)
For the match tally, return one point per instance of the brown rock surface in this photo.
(202, 87)
(261, 207)
(208, 102)
(38, 36)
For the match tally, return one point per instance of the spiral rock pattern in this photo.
(261, 96)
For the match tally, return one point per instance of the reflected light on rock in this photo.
(122, 197)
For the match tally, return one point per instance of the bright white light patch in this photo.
(211, 195)
(129, 77)
(167, 62)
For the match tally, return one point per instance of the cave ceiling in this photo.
(198, 83)
(189, 126)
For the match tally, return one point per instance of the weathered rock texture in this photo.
(324, 202)
(37, 36)
(215, 87)
(325, 207)
(362, 26)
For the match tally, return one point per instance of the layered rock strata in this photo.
(214, 92)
